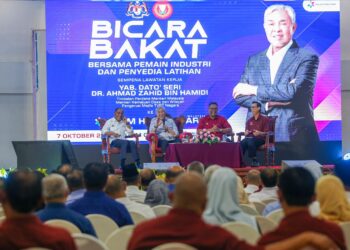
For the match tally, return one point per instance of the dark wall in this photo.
(327, 152)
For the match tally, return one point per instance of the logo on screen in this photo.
(162, 10)
(137, 9)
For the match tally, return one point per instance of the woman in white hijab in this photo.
(223, 201)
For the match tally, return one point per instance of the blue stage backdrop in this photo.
(179, 54)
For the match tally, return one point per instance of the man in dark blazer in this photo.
(282, 78)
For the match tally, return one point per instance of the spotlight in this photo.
(346, 157)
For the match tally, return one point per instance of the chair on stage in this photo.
(152, 138)
(269, 147)
(106, 148)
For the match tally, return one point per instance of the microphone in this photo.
(164, 122)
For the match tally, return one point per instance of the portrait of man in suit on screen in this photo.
(282, 78)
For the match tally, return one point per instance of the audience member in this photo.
(196, 166)
(157, 194)
(209, 171)
(268, 178)
(115, 188)
(331, 195)
(223, 201)
(242, 195)
(314, 207)
(64, 169)
(342, 170)
(133, 180)
(55, 192)
(184, 224)
(296, 192)
(253, 181)
(22, 229)
(110, 168)
(95, 201)
(172, 173)
(147, 175)
(76, 185)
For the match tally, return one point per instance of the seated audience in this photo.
(214, 123)
(314, 207)
(268, 178)
(342, 171)
(331, 195)
(196, 166)
(209, 172)
(253, 181)
(147, 175)
(256, 129)
(55, 191)
(184, 224)
(157, 194)
(296, 192)
(76, 185)
(64, 169)
(115, 188)
(133, 180)
(223, 200)
(172, 173)
(95, 201)
(22, 229)
(242, 195)
(165, 128)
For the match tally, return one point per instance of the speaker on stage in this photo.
(44, 154)
(313, 166)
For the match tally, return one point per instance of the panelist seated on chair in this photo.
(165, 128)
(255, 132)
(117, 128)
(214, 123)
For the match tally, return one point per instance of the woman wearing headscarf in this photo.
(331, 195)
(223, 200)
(165, 128)
(157, 194)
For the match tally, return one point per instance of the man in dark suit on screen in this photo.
(282, 78)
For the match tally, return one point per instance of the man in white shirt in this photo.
(115, 188)
(253, 181)
(118, 128)
(269, 177)
(282, 78)
(133, 180)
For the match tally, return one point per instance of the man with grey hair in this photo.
(117, 128)
(196, 166)
(282, 78)
(55, 192)
(165, 128)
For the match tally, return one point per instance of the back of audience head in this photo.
(131, 175)
(331, 195)
(172, 173)
(64, 169)
(75, 180)
(110, 168)
(147, 175)
(196, 166)
(157, 194)
(190, 193)
(115, 187)
(209, 172)
(55, 188)
(296, 187)
(253, 177)
(95, 176)
(22, 192)
(269, 177)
